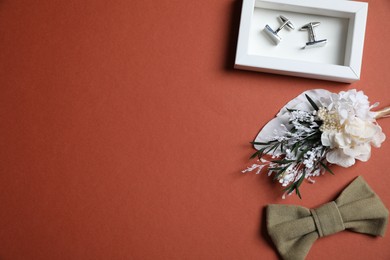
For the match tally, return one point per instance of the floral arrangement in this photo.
(316, 129)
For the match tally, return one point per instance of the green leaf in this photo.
(302, 178)
(296, 185)
(280, 172)
(276, 176)
(273, 147)
(315, 137)
(295, 148)
(256, 154)
(261, 143)
(298, 193)
(300, 156)
(312, 103)
(290, 188)
(291, 110)
(283, 161)
(326, 168)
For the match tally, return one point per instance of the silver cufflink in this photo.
(273, 35)
(313, 42)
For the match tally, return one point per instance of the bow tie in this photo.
(293, 229)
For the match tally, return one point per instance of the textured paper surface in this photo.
(124, 129)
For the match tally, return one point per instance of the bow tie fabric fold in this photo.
(293, 229)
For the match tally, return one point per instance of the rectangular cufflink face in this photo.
(315, 44)
(272, 34)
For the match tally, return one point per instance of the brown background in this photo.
(124, 129)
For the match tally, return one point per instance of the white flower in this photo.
(288, 176)
(349, 128)
(349, 104)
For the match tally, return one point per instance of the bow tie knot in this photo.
(327, 219)
(294, 229)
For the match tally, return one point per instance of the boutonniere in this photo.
(315, 130)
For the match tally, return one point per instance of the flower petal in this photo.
(360, 152)
(342, 140)
(325, 139)
(378, 138)
(337, 156)
(360, 128)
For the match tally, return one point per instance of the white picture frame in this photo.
(343, 23)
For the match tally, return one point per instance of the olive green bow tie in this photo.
(293, 229)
